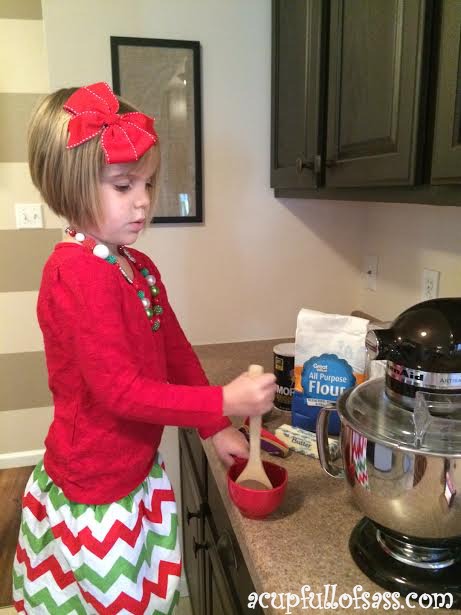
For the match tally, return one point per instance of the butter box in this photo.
(304, 442)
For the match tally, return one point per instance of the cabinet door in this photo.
(296, 72)
(375, 92)
(446, 161)
(228, 548)
(193, 544)
(219, 598)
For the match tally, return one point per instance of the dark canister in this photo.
(284, 364)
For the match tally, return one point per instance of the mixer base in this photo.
(384, 569)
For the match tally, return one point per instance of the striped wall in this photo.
(25, 403)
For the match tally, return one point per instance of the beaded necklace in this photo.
(152, 308)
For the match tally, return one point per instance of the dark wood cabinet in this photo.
(296, 82)
(193, 515)
(366, 100)
(238, 578)
(446, 159)
(218, 579)
(218, 593)
(375, 79)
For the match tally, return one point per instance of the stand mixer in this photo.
(401, 452)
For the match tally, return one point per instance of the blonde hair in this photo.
(68, 179)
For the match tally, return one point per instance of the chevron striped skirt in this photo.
(104, 559)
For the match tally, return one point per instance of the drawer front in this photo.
(227, 548)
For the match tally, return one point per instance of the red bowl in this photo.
(257, 503)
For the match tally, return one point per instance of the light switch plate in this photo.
(28, 215)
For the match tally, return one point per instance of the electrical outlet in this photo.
(370, 269)
(28, 215)
(430, 284)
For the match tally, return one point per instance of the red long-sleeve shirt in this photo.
(115, 383)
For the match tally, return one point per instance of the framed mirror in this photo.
(162, 78)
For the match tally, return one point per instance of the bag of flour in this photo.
(330, 357)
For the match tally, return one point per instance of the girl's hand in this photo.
(249, 396)
(229, 441)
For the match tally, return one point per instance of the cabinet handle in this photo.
(226, 550)
(197, 546)
(302, 164)
(192, 515)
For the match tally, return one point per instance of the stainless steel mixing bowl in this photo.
(410, 486)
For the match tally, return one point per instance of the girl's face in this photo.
(125, 192)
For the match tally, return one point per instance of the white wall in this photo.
(407, 239)
(256, 261)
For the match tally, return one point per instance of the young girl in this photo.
(99, 529)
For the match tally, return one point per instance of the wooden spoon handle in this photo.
(255, 422)
(255, 370)
(254, 475)
(255, 440)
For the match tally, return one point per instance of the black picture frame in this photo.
(140, 65)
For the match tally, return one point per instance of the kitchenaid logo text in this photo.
(331, 598)
(398, 370)
(418, 378)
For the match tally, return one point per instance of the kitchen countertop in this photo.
(305, 542)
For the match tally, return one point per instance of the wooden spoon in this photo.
(254, 476)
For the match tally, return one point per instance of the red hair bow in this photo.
(125, 137)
